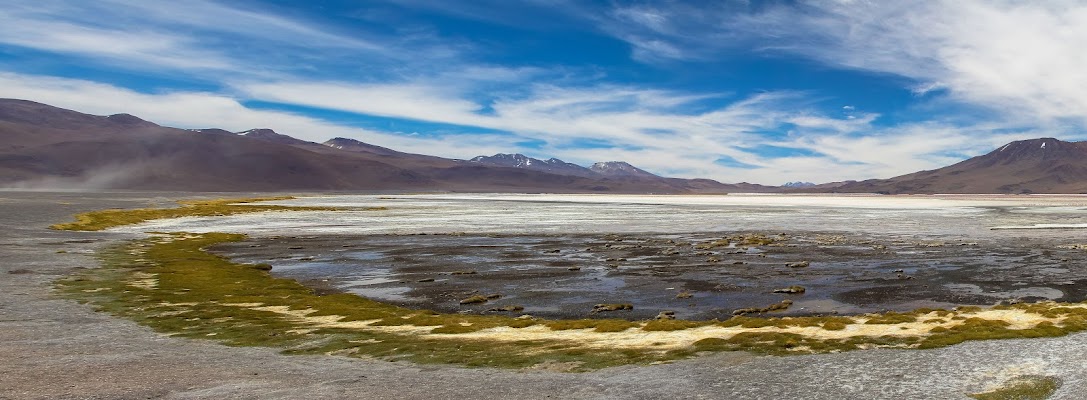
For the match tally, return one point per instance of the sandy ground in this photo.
(57, 349)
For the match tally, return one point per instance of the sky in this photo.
(738, 91)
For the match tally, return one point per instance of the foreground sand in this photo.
(51, 348)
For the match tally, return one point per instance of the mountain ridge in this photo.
(46, 146)
(1042, 165)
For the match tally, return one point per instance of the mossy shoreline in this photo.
(105, 219)
(169, 283)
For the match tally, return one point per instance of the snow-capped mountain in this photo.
(269, 135)
(1044, 165)
(551, 165)
(358, 147)
(620, 169)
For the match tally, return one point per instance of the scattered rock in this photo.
(477, 299)
(684, 295)
(21, 271)
(426, 280)
(784, 304)
(666, 315)
(612, 307)
(795, 289)
(737, 263)
(1008, 302)
(262, 267)
(463, 272)
(799, 264)
(295, 248)
(713, 244)
(508, 308)
(574, 269)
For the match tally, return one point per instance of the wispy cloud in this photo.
(1014, 57)
(194, 35)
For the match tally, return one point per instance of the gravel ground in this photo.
(57, 349)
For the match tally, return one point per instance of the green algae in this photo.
(105, 219)
(1029, 387)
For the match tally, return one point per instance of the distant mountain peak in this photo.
(353, 145)
(620, 169)
(269, 135)
(798, 184)
(127, 119)
(213, 131)
(1043, 165)
(258, 132)
(1033, 149)
(507, 160)
(551, 165)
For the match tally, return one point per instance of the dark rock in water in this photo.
(795, 289)
(801, 264)
(664, 315)
(612, 307)
(477, 299)
(508, 308)
(784, 304)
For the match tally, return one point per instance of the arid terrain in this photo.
(55, 348)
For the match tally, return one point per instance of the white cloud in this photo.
(147, 47)
(191, 35)
(1016, 58)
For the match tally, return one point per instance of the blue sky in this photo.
(759, 91)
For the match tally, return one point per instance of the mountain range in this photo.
(45, 147)
(49, 147)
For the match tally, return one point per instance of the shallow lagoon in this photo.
(557, 255)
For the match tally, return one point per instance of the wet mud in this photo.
(696, 276)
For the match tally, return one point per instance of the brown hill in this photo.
(48, 147)
(1044, 165)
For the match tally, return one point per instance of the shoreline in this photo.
(112, 358)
